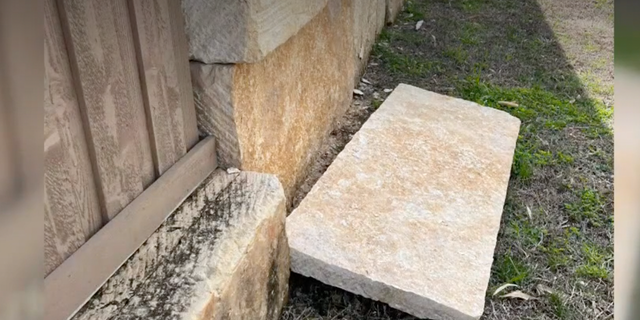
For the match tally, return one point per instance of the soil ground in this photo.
(554, 59)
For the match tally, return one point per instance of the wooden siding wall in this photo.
(118, 111)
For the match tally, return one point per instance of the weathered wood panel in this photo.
(100, 41)
(83, 273)
(181, 61)
(164, 68)
(72, 212)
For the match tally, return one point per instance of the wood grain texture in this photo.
(184, 73)
(103, 62)
(84, 272)
(72, 211)
(163, 61)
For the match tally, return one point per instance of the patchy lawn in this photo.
(554, 60)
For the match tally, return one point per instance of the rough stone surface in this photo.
(222, 255)
(393, 8)
(272, 116)
(368, 21)
(409, 212)
(232, 31)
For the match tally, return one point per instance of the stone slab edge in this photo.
(403, 300)
(243, 31)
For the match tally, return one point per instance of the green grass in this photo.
(471, 33)
(530, 234)
(559, 305)
(595, 262)
(413, 12)
(589, 207)
(510, 269)
(564, 158)
(457, 54)
(558, 253)
(471, 6)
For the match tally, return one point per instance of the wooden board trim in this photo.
(73, 283)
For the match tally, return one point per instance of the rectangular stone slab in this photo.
(231, 31)
(222, 254)
(409, 212)
(272, 116)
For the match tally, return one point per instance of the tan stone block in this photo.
(272, 116)
(393, 8)
(368, 22)
(232, 31)
(222, 254)
(409, 212)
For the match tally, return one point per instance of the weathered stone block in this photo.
(222, 254)
(409, 212)
(272, 116)
(393, 8)
(232, 31)
(368, 21)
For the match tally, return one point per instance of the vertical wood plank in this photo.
(163, 61)
(100, 42)
(72, 212)
(184, 72)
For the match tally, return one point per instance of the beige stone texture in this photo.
(393, 8)
(409, 212)
(368, 22)
(272, 116)
(222, 254)
(232, 31)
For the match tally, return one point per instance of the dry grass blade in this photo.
(504, 286)
(508, 104)
(518, 295)
(542, 289)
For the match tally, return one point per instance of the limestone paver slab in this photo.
(409, 212)
(222, 254)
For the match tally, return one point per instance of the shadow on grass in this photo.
(494, 51)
